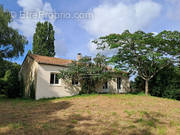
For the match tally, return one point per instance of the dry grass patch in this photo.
(91, 115)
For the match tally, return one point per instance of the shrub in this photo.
(12, 83)
(177, 94)
(4, 66)
(173, 94)
(165, 84)
(2, 84)
(169, 93)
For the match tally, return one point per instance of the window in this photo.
(54, 78)
(118, 83)
(74, 82)
(105, 86)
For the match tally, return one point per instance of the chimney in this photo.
(79, 56)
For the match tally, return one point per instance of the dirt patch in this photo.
(91, 115)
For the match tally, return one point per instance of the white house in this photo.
(39, 74)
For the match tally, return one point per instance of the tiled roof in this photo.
(50, 60)
(55, 61)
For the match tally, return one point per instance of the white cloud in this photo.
(93, 49)
(115, 18)
(28, 25)
(30, 4)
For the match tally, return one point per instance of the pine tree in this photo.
(43, 39)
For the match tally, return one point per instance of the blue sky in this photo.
(106, 16)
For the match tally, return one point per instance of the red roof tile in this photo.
(50, 60)
(55, 61)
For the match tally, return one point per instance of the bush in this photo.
(12, 83)
(173, 94)
(4, 66)
(165, 84)
(170, 93)
(2, 84)
(137, 86)
(177, 94)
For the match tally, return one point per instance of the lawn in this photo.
(91, 115)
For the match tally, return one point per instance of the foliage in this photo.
(12, 84)
(137, 85)
(165, 84)
(88, 73)
(11, 42)
(2, 84)
(11, 45)
(167, 79)
(4, 66)
(43, 39)
(142, 53)
(32, 90)
(22, 86)
(177, 94)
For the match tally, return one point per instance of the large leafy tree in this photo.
(11, 42)
(142, 53)
(43, 39)
(4, 66)
(88, 73)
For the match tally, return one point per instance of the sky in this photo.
(78, 22)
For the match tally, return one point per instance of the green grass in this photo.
(130, 113)
(74, 121)
(114, 113)
(162, 130)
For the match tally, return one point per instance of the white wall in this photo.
(46, 90)
(112, 85)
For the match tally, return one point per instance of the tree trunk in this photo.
(146, 87)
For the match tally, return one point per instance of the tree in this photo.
(142, 53)
(166, 83)
(89, 73)
(43, 39)
(11, 42)
(166, 79)
(4, 66)
(12, 83)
